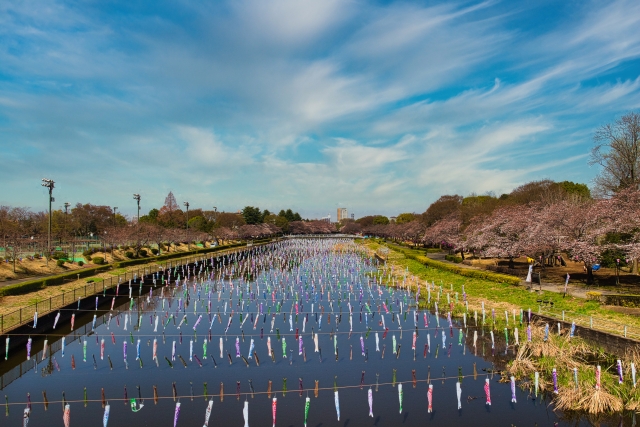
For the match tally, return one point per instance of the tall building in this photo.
(342, 214)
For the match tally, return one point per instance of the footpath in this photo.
(579, 291)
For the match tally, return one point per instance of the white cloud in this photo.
(283, 103)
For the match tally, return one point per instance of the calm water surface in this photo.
(329, 282)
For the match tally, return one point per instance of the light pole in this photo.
(136, 197)
(66, 213)
(215, 220)
(50, 184)
(187, 206)
(115, 208)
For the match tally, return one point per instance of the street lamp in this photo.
(50, 184)
(66, 213)
(215, 220)
(136, 197)
(115, 208)
(187, 206)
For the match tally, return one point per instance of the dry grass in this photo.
(9, 304)
(599, 402)
(565, 354)
(568, 398)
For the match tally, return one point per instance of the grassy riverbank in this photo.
(496, 295)
(571, 357)
(43, 291)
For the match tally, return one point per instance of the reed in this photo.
(566, 354)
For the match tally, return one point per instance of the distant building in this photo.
(353, 216)
(342, 214)
(393, 218)
(326, 218)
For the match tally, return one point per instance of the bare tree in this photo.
(617, 150)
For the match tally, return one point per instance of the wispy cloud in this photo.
(380, 107)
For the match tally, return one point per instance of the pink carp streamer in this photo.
(274, 404)
(66, 417)
(487, 391)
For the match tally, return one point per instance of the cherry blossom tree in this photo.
(445, 231)
(503, 233)
(580, 225)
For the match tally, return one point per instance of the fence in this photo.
(595, 323)
(25, 315)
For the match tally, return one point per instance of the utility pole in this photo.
(136, 197)
(187, 205)
(50, 184)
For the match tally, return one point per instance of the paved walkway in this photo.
(579, 291)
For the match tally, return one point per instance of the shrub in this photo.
(608, 258)
(87, 253)
(128, 254)
(57, 255)
(80, 263)
(594, 296)
(88, 258)
(155, 251)
(55, 280)
(143, 252)
(98, 260)
(22, 288)
(622, 300)
(36, 256)
(467, 272)
(60, 263)
(453, 258)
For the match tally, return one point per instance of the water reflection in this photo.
(229, 341)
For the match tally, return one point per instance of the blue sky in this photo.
(379, 107)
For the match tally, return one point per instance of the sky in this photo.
(379, 107)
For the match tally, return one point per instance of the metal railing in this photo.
(25, 315)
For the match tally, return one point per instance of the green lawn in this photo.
(517, 296)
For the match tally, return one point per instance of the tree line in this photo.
(543, 218)
(23, 230)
